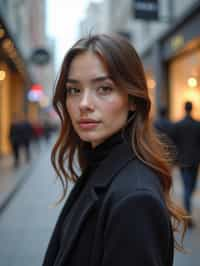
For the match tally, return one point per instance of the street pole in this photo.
(171, 11)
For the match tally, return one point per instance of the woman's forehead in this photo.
(87, 64)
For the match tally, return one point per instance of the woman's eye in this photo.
(104, 89)
(72, 91)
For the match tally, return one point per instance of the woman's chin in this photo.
(91, 138)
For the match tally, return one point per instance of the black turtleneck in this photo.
(96, 155)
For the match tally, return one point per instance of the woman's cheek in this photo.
(70, 108)
(113, 108)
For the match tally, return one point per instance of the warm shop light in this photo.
(2, 75)
(7, 44)
(2, 33)
(192, 82)
(151, 83)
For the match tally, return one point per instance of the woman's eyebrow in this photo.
(96, 79)
(72, 80)
(101, 78)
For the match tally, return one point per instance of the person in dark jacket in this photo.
(119, 210)
(15, 135)
(186, 136)
(21, 133)
(163, 124)
(164, 128)
(27, 136)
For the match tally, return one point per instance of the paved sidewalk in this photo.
(11, 178)
(178, 188)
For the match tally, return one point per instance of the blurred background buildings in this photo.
(166, 35)
(26, 64)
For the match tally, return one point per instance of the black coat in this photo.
(119, 218)
(186, 137)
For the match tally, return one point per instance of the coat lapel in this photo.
(86, 202)
(101, 178)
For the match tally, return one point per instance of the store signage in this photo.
(146, 9)
(40, 56)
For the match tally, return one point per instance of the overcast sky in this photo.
(63, 17)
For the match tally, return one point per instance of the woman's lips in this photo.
(88, 124)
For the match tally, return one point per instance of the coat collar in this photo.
(115, 161)
(100, 181)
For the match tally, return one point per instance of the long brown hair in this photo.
(125, 68)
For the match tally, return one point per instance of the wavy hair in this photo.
(125, 68)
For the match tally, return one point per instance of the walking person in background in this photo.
(164, 128)
(38, 132)
(15, 135)
(47, 130)
(186, 137)
(163, 124)
(21, 134)
(119, 211)
(27, 136)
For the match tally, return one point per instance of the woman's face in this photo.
(96, 106)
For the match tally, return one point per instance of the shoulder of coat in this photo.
(135, 178)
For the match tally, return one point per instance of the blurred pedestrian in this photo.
(38, 132)
(163, 124)
(27, 136)
(15, 135)
(119, 211)
(164, 128)
(186, 136)
(47, 130)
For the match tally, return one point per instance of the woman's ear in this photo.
(131, 104)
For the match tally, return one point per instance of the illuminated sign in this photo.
(35, 93)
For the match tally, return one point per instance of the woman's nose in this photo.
(86, 102)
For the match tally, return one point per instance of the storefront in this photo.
(184, 76)
(175, 66)
(181, 53)
(14, 80)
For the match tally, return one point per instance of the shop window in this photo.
(184, 78)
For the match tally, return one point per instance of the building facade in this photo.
(22, 30)
(172, 61)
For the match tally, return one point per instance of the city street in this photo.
(91, 68)
(27, 222)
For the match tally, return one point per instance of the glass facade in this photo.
(184, 77)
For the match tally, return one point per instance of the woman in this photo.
(119, 211)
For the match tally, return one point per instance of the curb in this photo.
(6, 197)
